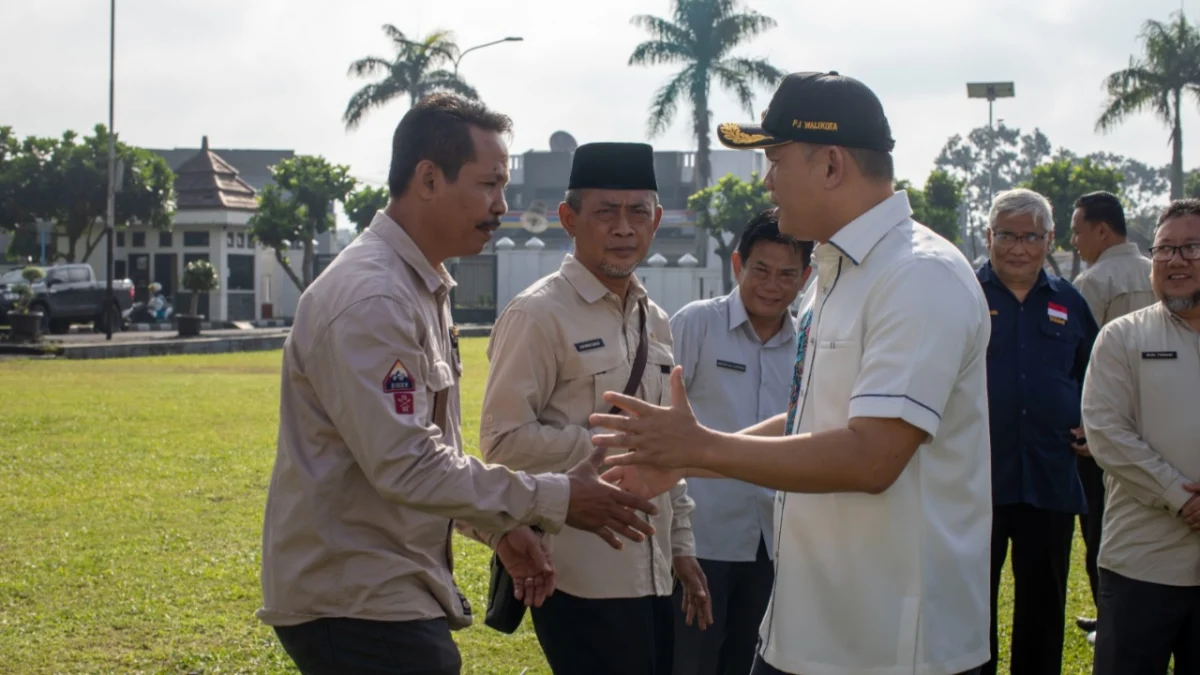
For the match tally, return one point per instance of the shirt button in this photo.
(1023, 411)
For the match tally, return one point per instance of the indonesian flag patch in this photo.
(1057, 313)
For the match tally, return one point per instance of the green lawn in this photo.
(131, 495)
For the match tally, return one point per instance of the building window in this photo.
(139, 240)
(121, 239)
(241, 240)
(241, 272)
(195, 239)
(119, 271)
(229, 239)
(164, 240)
(514, 163)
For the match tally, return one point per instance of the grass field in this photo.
(131, 496)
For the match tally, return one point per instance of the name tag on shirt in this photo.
(730, 365)
(589, 345)
(1160, 355)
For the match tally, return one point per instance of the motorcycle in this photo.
(157, 310)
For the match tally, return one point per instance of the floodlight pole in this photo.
(106, 312)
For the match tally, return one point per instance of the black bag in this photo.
(505, 612)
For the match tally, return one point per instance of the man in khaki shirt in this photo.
(1140, 403)
(1116, 282)
(369, 475)
(554, 351)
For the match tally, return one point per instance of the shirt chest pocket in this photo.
(833, 367)
(1057, 345)
(586, 376)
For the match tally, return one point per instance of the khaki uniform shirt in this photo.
(1119, 283)
(366, 484)
(554, 351)
(1140, 413)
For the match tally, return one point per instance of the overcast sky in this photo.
(272, 73)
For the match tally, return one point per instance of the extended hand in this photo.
(1191, 509)
(647, 482)
(697, 605)
(604, 509)
(668, 438)
(1080, 449)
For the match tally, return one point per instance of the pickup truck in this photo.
(69, 294)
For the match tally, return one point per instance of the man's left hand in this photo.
(527, 558)
(669, 438)
(1191, 509)
(697, 605)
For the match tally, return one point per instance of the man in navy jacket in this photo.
(1042, 335)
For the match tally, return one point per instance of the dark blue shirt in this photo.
(1036, 361)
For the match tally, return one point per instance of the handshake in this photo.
(605, 505)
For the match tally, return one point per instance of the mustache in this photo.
(493, 224)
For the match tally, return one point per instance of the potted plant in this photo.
(26, 325)
(198, 277)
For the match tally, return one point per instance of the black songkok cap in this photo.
(613, 166)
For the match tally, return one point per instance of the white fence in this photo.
(670, 287)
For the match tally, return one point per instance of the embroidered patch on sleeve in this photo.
(404, 403)
(398, 379)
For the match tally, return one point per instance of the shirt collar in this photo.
(398, 240)
(589, 287)
(1117, 250)
(987, 275)
(856, 239)
(738, 316)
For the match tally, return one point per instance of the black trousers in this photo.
(361, 647)
(630, 636)
(740, 592)
(1090, 523)
(1141, 625)
(1041, 561)
(763, 668)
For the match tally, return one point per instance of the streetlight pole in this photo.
(486, 44)
(991, 91)
(107, 313)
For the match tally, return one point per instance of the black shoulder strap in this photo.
(639, 359)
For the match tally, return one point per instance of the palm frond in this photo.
(736, 83)
(757, 71)
(666, 101)
(663, 29)
(656, 52)
(1130, 91)
(371, 96)
(731, 31)
(369, 66)
(444, 80)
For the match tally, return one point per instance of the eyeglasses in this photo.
(1007, 239)
(1166, 253)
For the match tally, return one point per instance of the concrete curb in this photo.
(207, 325)
(169, 346)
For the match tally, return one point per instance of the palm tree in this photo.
(700, 36)
(1158, 81)
(416, 70)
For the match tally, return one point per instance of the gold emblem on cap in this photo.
(734, 134)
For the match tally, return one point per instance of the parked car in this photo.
(70, 294)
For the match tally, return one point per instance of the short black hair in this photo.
(765, 227)
(1103, 207)
(1180, 207)
(438, 129)
(874, 164)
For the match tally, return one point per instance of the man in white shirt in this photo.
(737, 352)
(883, 521)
